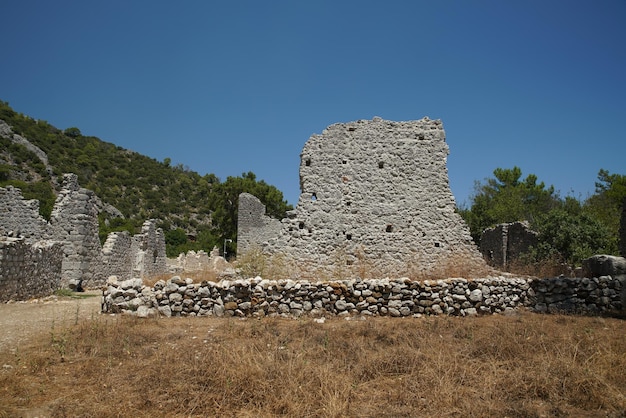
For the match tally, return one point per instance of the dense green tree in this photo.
(507, 198)
(72, 132)
(225, 204)
(606, 204)
(569, 230)
(570, 236)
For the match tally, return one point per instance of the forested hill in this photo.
(140, 187)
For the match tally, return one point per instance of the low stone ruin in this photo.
(505, 243)
(199, 261)
(375, 195)
(29, 270)
(259, 297)
(74, 226)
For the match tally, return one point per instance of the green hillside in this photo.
(195, 211)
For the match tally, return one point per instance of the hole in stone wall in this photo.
(313, 197)
(381, 164)
(349, 262)
(301, 225)
(389, 228)
(344, 162)
(352, 129)
(310, 230)
(348, 237)
(307, 162)
(348, 203)
(437, 245)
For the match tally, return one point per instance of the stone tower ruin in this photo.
(373, 193)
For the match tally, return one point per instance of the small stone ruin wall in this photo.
(386, 297)
(199, 262)
(74, 226)
(373, 192)
(506, 242)
(29, 270)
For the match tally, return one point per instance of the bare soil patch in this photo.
(21, 321)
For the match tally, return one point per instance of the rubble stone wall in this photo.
(506, 242)
(374, 191)
(149, 250)
(74, 222)
(74, 225)
(117, 257)
(253, 226)
(401, 297)
(20, 216)
(29, 270)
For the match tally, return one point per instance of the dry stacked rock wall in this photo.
(29, 270)
(374, 192)
(401, 297)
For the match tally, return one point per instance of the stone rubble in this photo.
(258, 297)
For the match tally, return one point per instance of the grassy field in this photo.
(526, 365)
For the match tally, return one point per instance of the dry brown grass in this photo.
(343, 265)
(522, 366)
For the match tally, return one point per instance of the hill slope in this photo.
(34, 154)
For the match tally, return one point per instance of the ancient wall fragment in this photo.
(74, 222)
(254, 227)
(375, 194)
(29, 270)
(504, 243)
(20, 217)
(148, 249)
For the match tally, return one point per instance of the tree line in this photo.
(570, 229)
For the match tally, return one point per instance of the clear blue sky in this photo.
(227, 87)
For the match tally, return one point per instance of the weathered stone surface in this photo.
(605, 265)
(506, 242)
(374, 194)
(452, 296)
(74, 224)
(29, 270)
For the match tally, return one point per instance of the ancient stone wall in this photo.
(74, 222)
(117, 258)
(385, 297)
(374, 192)
(253, 226)
(20, 217)
(149, 251)
(506, 242)
(29, 270)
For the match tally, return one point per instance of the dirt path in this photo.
(20, 321)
